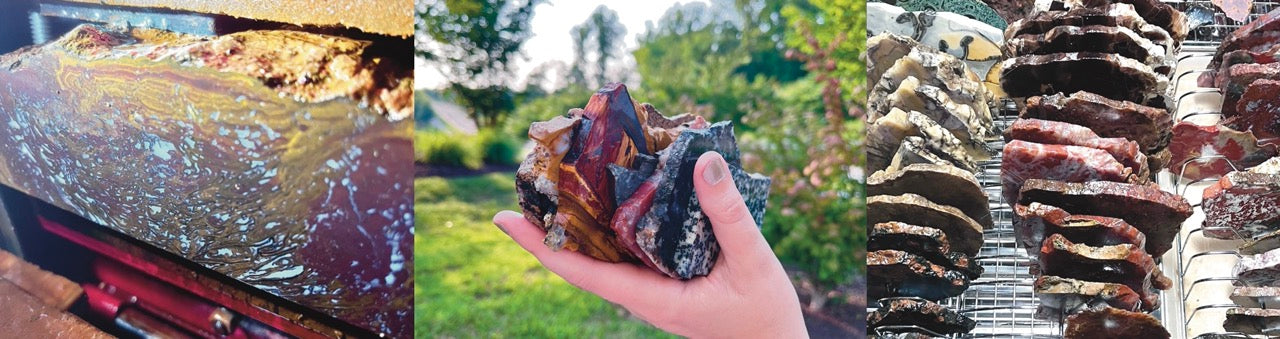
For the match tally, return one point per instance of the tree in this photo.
(596, 42)
(764, 38)
(578, 73)
(474, 44)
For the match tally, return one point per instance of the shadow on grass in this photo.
(471, 280)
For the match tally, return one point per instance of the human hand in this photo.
(747, 293)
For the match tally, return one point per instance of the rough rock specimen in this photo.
(926, 314)
(1261, 34)
(964, 233)
(1109, 75)
(1239, 78)
(1070, 296)
(1258, 270)
(1158, 214)
(1261, 243)
(390, 17)
(1036, 221)
(1252, 321)
(1065, 133)
(1242, 205)
(614, 181)
(1091, 38)
(965, 124)
(1122, 264)
(280, 153)
(1256, 297)
(884, 50)
(1237, 10)
(1258, 110)
(1199, 152)
(1157, 13)
(915, 150)
(1148, 126)
(894, 273)
(1113, 323)
(304, 66)
(941, 184)
(1217, 77)
(887, 136)
(935, 69)
(1024, 160)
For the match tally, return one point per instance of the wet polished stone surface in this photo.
(309, 199)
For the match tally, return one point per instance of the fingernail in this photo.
(715, 172)
(503, 229)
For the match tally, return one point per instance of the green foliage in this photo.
(600, 36)
(471, 280)
(446, 149)
(838, 25)
(813, 148)
(815, 212)
(473, 42)
(498, 148)
(699, 56)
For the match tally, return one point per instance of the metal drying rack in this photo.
(1001, 301)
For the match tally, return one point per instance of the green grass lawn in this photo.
(471, 280)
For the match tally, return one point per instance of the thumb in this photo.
(722, 203)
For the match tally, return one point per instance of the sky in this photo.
(551, 41)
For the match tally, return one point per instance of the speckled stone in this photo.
(675, 233)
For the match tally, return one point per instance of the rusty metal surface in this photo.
(387, 17)
(310, 200)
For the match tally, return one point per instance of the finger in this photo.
(722, 203)
(637, 288)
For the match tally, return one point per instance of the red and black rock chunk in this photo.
(1258, 110)
(1239, 77)
(1242, 205)
(1199, 152)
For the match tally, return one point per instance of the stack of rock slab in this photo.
(1077, 165)
(930, 124)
